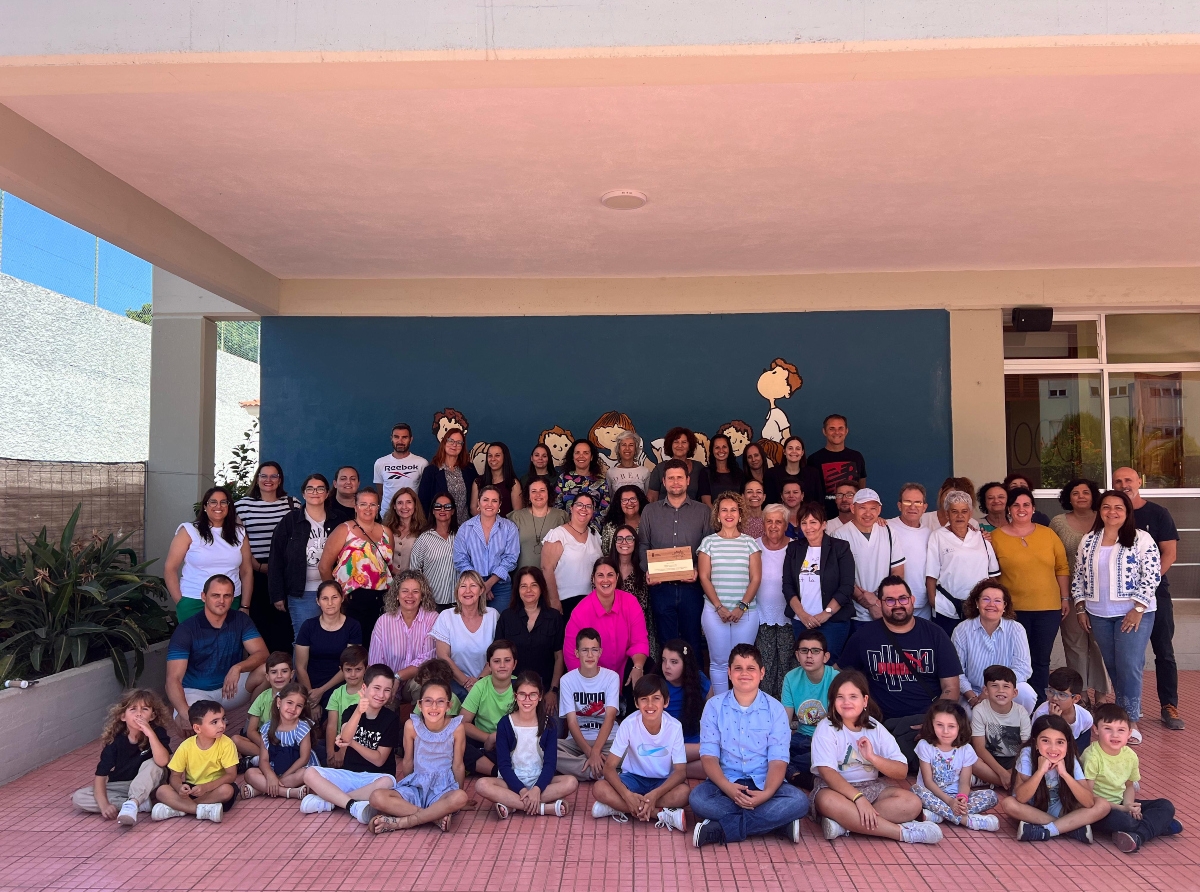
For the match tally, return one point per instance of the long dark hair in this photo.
(256, 493)
(516, 605)
(803, 458)
(952, 709)
(533, 471)
(1041, 796)
(639, 576)
(593, 466)
(288, 689)
(616, 514)
(229, 529)
(1127, 535)
(431, 523)
(746, 462)
(529, 676)
(507, 472)
(731, 463)
(689, 681)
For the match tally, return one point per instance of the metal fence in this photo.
(34, 494)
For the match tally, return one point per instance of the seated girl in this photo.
(689, 689)
(946, 755)
(527, 755)
(431, 771)
(285, 748)
(850, 750)
(133, 762)
(1055, 798)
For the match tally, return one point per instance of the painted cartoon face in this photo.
(656, 446)
(773, 384)
(701, 452)
(444, 425)
(479, 457)
(607, 436)
(558, 446)
(738, 440)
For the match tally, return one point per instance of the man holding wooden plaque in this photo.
(669, 533)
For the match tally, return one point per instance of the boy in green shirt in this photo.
(805, 697)
(353, 662)
(1113, 769)
(280, 674)
(488, 701)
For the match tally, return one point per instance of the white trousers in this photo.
(721, 638)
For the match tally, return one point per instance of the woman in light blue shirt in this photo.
(490, 545)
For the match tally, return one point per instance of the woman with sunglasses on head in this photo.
(260, 511)
(433, 552)
(450, 471)
(296, 548)
(213, 543)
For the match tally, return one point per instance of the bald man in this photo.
(1157, 521)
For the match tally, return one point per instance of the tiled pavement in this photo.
(268, 844)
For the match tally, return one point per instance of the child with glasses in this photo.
(527, 753)
(431, 770)
(805, 693)
(1063, 695)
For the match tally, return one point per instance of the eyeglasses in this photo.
(434, 704)
(624, 540)
(1055, 694)
(213, 503)
(810, 651)
(908, 503)
(896, 602)
(316, 490)
(442, 507)
(268, 477)
(527, 696)
(579, 507)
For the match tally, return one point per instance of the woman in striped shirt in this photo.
(401, 637)
(730, 567)
(260, 511)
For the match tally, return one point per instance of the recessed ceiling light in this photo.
(623, 199)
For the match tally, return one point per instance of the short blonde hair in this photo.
(470, 574)
(716, 510)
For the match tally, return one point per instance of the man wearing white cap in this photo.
(877, 554)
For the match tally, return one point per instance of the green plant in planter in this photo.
(65, 604)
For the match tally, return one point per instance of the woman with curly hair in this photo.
(401, 639)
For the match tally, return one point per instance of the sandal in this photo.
(301, 792)
(561, 808)
(444, 824)
(385, 824)
(502, 811)
(248, 792)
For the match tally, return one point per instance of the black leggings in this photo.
(364, 605)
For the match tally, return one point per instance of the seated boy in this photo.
(744, 739)
(805, 693)
(1062, 699)
(589, 698)
(203, 769)
(280, 673)
(1113, 768)
(999, 727)
(353, 663)
(370, 736)
(489, 700)
(645, 775)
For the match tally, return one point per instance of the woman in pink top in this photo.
(618, 617)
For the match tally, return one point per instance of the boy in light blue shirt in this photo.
(805, 696)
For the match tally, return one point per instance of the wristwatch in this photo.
(555, 689)
(829, 609)
(1139, 608)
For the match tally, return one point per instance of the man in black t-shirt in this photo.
(1157, 521)
(888, 650)
(836, 463)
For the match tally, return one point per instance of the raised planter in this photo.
(63, 712)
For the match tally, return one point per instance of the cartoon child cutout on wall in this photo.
(779, 381)
(479, 457)
(604, 433)
(740, 435)
(558, 440)
(449, 419)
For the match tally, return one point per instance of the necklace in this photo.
(539, 532)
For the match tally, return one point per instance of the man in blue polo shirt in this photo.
(205, 657)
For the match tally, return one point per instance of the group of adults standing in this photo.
(776, 548)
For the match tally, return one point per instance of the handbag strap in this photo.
(934, 694)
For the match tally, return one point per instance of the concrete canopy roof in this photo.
(769, 159)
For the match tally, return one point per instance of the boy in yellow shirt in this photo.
(1113, 769)
(203, 769)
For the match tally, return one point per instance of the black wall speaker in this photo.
(1032, 318)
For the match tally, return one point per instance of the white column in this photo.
(977, 394)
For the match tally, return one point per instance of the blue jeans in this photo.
(302, 608)
(800, 752)
(1125, 657)
(501, 595)
(787, 805)
(677, 607)
(836, 636)
(1041, 628)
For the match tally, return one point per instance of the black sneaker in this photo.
(707, 833)
(1127, 842)
(1032, 832)
(1082, 834)
(244, 763)
(789, 831)
(1170, 718)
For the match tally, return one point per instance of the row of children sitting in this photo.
(826, 737)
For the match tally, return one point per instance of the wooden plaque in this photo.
(669, 564)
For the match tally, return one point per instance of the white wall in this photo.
(75, 381)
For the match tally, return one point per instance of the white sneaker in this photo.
(313, 804)
(983, 822)
(162, 812)
(127, 816)
(145, 807)
(921, 832)
(600, 810)
(672, 819)
(211, 811)
(931, 816)
(362, 812)
(831, 829)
